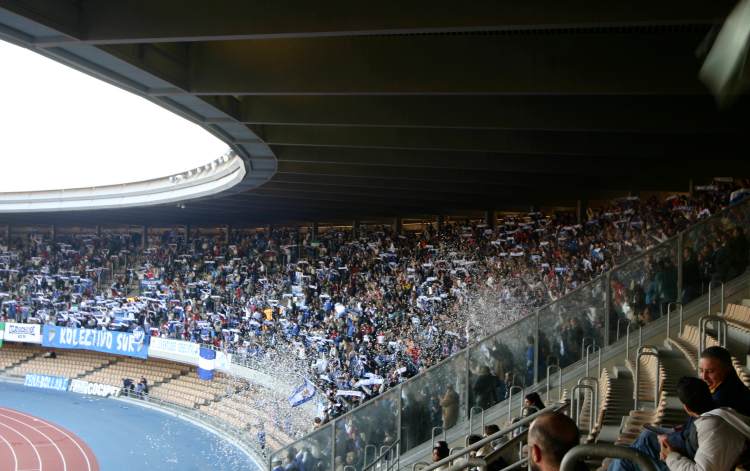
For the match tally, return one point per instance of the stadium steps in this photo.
(14, 356)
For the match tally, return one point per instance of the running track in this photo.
(28, 443)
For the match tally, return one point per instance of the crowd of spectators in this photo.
(356, 312)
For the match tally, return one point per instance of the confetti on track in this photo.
(28, 443)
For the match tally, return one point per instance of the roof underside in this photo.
(409, 108)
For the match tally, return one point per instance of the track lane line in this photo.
(12, 451)
(37, 430)
(31, 445)
(74, 438)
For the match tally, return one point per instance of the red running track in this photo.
(28, 443)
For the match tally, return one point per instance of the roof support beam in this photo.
(138, 21)
(595, 63)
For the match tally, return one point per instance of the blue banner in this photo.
(206, 363)
(57, 383)
(106, 341)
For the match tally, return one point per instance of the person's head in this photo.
(491, 429)
(440, 451)
(533, 400)
(695, 395)
(551, 435)
(715, 366)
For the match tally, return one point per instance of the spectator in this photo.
(532, 403)
(716, 370)
(439, 452)
(449, 403)
(551, 436)
(720, 444)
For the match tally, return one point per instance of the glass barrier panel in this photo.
(500, 361)
(437, 398)
(715, 251)
(360, 435)
(641, 289)
(569, 325)
(314, 452)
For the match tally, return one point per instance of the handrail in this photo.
(721, 331)
(646, 350)
(721, 305)
(617, 332)
(375, 452)
(575, 454)
(669, 317)
(591, 348)
(591, 379)
(391, 453)
(510, 398)
(559, 381)
(471, 419)
(627, 341)
(574, 399)
(583, 344)
(476, 446)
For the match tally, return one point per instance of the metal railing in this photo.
(721, 301)
(580, 452)
(576, 405)
(721, 331)
(646, 350)
(559, 381)
(476, 446)
(471, 418)
(669, 317)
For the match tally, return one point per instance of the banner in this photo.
(94, 389)
(29, 333)
(58, 383)
(2, 332)
(160, 345)
(302, 394)
(105, 341)
(206, 363)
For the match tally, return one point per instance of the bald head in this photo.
(550, 437)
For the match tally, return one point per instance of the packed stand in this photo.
(356, 313)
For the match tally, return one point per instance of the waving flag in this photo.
(206, 363)
(302, 394)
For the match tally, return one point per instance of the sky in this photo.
(60, 128)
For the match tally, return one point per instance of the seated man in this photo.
(716, 370)
(551, 435)
(719, 443)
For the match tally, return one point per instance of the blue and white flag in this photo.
(206, 363)
(302, 394)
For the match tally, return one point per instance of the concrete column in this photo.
(690, 187)
(7, 233)
(440, 222)
(144, 237)
(228, 236)
(314, 231)
(397, 225)
(355, 228)
(490, 218)
(187, 232)
(98, 231)
(52, 232)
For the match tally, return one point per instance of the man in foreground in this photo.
(551, 435)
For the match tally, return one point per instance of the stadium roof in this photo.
(342, 110)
